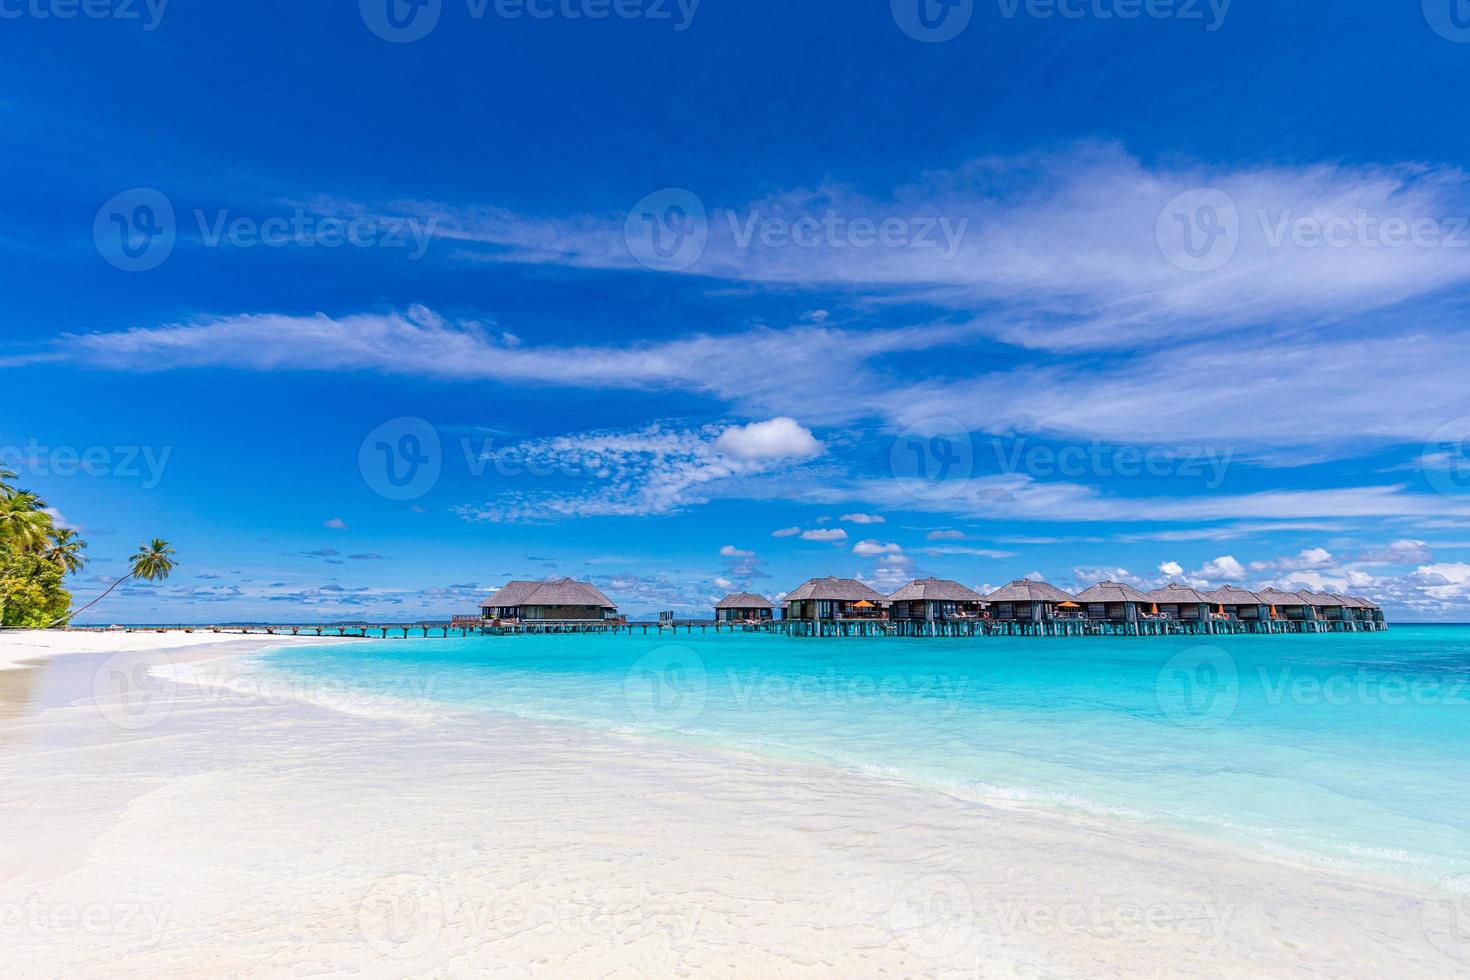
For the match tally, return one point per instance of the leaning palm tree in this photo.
(65, 550)
(154, 562)
(7, 489)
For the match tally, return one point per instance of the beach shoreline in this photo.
(261, 834)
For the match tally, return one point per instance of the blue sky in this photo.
(702, 297)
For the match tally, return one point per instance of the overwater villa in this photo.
(1114, 602)
(744, 607)
(834, 598)
(565, 601)
(1287, 607)
(1029, 601)
(1176, 601)
(1237, 604)
(833, 606)
(1364, 614)
(925, 602)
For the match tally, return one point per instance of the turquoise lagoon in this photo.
(1347, 750)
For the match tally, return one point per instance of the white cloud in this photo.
(1087, 577)
(835, 535)
(1064, 241)
(724, 583)
(870, 549)
(730, 551)
(335, 524)
(786, 532)
(1171, 568)
(1223, 569)
(1402, 552)
(654, 470)
(946, 535)
(780, 438)
(864, 519)
(973, 552)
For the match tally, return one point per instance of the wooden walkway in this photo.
(788, 627)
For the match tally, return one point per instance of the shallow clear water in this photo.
(1350, 750)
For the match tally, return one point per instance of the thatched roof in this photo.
(1112, 592)
(1322, 598)
(1026, 590)
(1276, 597)
(1176, 594)
(935, 590)
(1231, 596)
(562, 592)
(744, 600)
(1361, 602)
(834, 589)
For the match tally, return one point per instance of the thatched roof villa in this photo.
(833, 598)
(740, 607)
(1287, 605)
(563, 600)
(931, 599)
(1115, 602)
(1240, 604)
(1326, 606)
(1176, 601)
(1363, 610)
(1027, 600)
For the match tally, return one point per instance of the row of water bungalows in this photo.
(929, 607)
(940, 607)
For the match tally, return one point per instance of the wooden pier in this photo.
(818, 628)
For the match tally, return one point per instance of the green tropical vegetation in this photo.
(36, 556)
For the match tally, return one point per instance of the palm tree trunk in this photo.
(74, 615)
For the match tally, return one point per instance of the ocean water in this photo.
(1351, 751)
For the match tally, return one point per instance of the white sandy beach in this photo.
(153, 828)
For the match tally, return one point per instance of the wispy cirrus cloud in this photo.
(657, 469)
(1064, 245)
